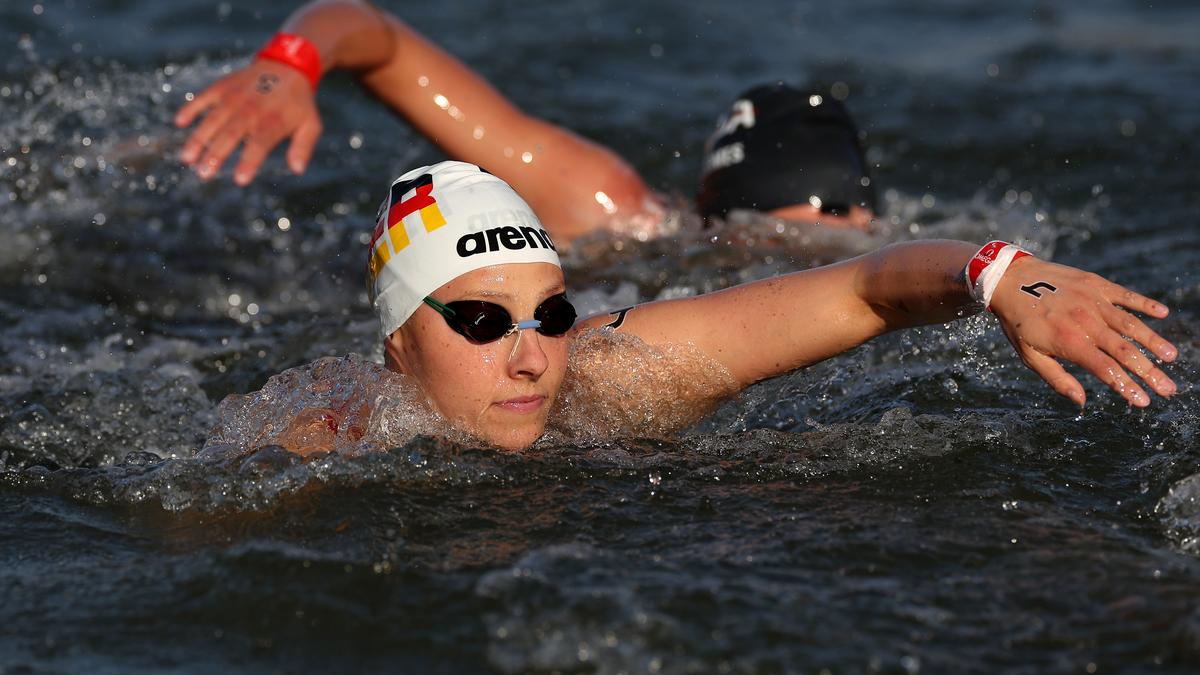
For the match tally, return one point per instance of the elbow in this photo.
(882, 291)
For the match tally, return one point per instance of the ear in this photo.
(392, 349)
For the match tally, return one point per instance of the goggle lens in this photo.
(557, 315)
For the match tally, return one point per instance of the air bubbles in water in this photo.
(619, 385)
(950, 385)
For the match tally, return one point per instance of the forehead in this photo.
(514, 281)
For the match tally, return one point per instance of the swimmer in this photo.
(791, 154)
(474, 312)
(787, 153)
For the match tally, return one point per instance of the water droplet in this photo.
(605, 201)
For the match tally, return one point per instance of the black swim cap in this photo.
(779, 146)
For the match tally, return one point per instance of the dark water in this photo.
(921, 504)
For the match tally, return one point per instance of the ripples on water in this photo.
(920, 504)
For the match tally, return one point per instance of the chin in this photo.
(515, 438)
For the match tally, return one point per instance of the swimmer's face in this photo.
(501, 391)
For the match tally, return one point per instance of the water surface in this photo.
(923, 503)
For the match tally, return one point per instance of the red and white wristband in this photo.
(295, 51)
(989, 264)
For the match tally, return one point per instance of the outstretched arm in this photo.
(766, 328)
(574, 185)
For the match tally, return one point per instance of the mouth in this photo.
(523, 405)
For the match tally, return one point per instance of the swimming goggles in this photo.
(482, 322)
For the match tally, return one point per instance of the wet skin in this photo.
(502, 391)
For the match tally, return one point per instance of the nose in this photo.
(527, 360)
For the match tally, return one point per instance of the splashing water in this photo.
(920, 504)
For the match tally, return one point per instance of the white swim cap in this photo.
(440, 222)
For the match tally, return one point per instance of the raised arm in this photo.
(573, 184)
(766, 328)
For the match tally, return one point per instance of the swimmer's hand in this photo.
(256, 107)
(1052, 312)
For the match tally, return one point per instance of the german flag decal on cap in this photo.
(406, 198)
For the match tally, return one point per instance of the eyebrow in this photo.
(552, 289)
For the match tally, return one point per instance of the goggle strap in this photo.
(441, 309)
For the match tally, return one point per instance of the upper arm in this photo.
(764, 328)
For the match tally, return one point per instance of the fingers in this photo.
(203, 137)
(1110, 372)
(222, 144)
(1128, 325)
(188, 113)
(1136, 301)
(223, 130)
(258, 146)
(1054, 374)
(1131, 359)
(303, 142)
(1108, 355)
